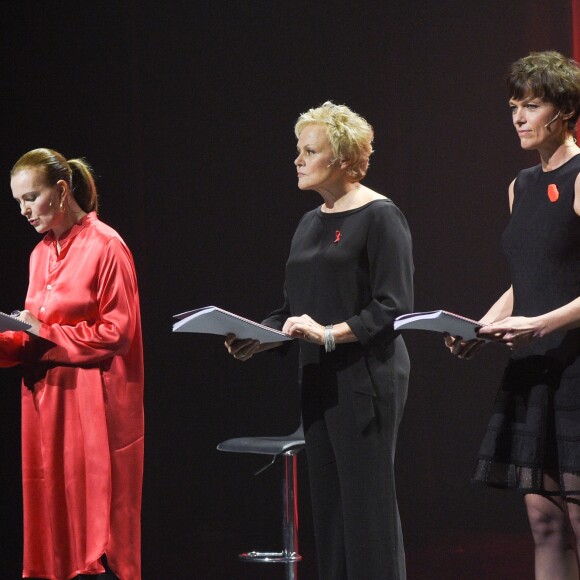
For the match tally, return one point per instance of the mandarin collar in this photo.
(67, 237)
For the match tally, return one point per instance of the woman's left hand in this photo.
(514, 331)
(29, 318)
(305, 328)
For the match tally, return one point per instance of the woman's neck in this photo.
(556, 157)
(341, 199)
(69, 220)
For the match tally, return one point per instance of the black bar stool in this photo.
(287, 446)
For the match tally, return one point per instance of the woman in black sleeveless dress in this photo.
(532, 443)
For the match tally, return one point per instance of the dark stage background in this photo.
(186, 111)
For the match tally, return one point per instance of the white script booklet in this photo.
(8, 322)
(439, 321)
(214, 320)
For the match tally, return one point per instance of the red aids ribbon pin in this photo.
(553, 193)
(337, 236)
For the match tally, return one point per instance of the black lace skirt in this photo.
(532, 442)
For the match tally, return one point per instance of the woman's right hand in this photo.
(465, 349)
(241, 349)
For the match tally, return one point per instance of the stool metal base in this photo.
(271, 557)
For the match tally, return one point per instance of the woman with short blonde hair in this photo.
(350, 135)
(348, 276)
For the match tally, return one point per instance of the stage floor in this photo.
(468, 556)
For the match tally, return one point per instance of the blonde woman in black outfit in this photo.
(348, 276)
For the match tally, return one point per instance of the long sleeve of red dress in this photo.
(82, 406)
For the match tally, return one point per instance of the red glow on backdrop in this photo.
(576, 29)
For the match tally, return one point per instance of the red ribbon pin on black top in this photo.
(553, 193)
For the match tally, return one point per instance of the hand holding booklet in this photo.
(440, 321)
(214, 320)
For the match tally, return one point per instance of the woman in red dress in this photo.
(82, 388)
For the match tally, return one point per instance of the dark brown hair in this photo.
(549, 76)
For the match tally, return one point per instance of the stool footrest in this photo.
(271, 557)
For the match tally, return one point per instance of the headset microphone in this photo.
(552, 120)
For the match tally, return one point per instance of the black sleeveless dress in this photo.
(534, 430)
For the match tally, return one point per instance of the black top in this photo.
(354, 266)
(542, 246)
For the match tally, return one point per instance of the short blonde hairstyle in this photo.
(350, 135)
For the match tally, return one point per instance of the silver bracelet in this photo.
(329, 344)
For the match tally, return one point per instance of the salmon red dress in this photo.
(82, 406)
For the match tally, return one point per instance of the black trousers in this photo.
(352, 483)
